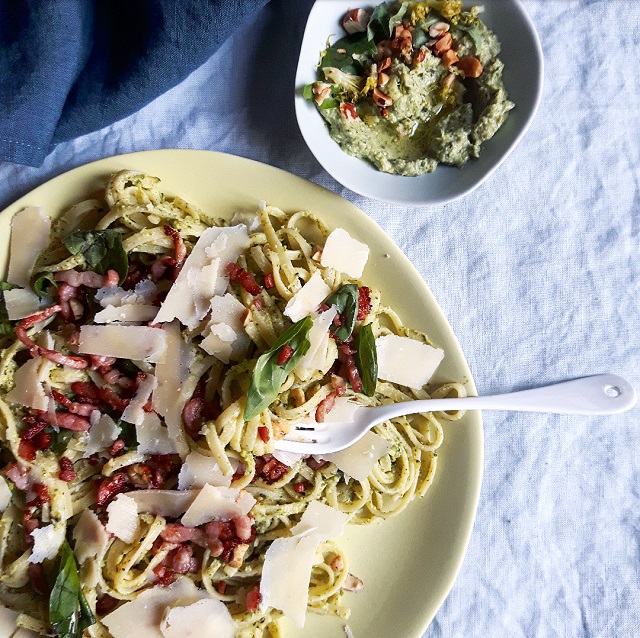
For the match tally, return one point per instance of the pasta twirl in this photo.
(184, 430)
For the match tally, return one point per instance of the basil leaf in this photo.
(396, 19)
(59, 440)
(327, 103)
(6, 326)
(377, 21)
(340, 54)
(420, 37)
(101, 249)
(45, 285)
(268, 376)
(345, 301)
(367, 359)
(69, 612)
(470, 26)
(128, 434)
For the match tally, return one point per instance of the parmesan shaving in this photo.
(345, 254)
(217, 503)
(153, 437)
(20, 303)
(171, 376)
(29, 390)
(134, 412)
(8, 619)
(315, 357)
(168, 503)
(47, 542)
(129, 313)
(199, 470)
(250, 219)
(358, 459)
(144, 615)
(295, 557)
(308, 298)
(90, 537)
(208, 617)
(292, 558)
(124, 342)
(30, 230)
(144, 293)
(406, 361)
(343, 411)
(202, 275)
(321, 520)
(123, 518)
(288, 458)
(5, 494)
(225, 337)
(102, 435)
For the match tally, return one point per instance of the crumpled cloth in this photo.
(69, 67)
(538, 273)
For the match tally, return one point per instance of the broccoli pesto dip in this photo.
(412, 85)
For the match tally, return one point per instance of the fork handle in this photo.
(598, 394)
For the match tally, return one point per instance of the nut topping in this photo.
(381, 99)
(438, 29)
(449, 57)
(321, 91)
(470, 66)
(443, 44)
(449, 80)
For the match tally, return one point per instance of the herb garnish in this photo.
(69, 612)
(60, 439)
(6, 326)
(128, 434)
(345, 301)
(344, 53)
(327, 103)
(45, 285)
(367, 359)
(101, 249)
(268, 376)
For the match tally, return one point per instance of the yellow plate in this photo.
(408, 563)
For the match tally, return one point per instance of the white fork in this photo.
(599, 394)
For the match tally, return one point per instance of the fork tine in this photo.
(300, 447)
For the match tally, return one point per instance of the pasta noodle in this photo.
(285, 249)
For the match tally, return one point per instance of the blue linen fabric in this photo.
(69, 67)
(538, 272)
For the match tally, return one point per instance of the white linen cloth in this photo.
(538, 272)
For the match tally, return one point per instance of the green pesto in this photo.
(428, 124)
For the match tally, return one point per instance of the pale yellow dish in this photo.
(407, 565)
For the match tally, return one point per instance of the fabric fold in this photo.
(69, 67)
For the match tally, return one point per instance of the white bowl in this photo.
(523, 72)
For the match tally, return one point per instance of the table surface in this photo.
(538, 272)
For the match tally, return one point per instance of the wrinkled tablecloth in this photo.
(538, 272)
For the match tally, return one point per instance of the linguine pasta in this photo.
(53, 481)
